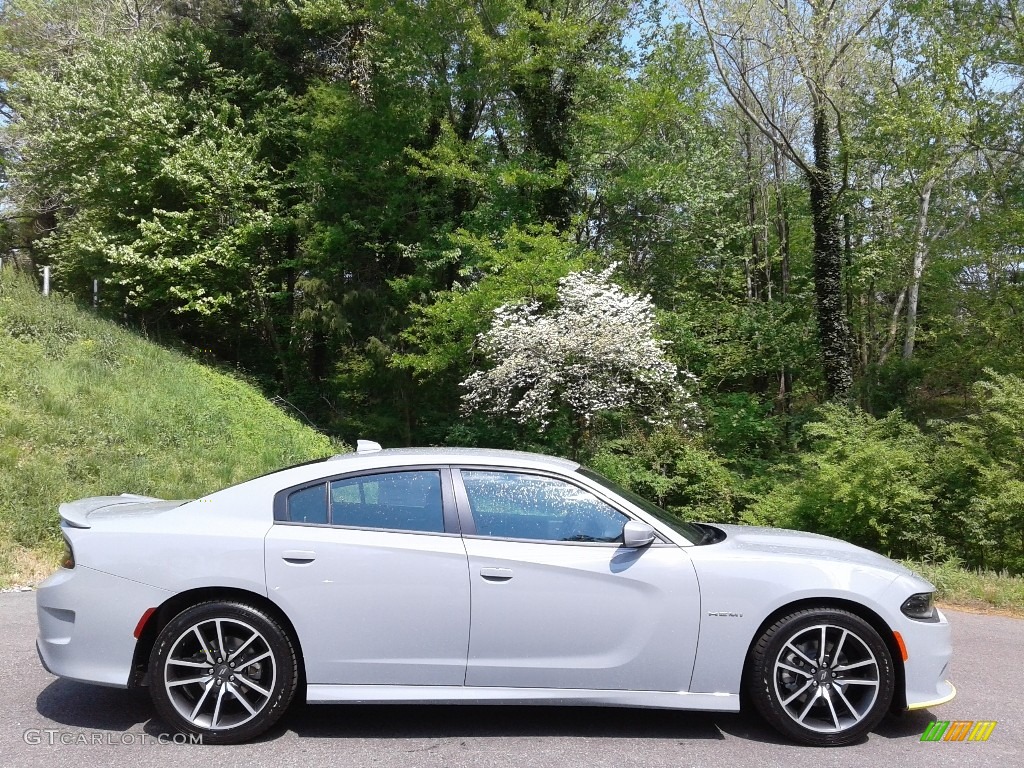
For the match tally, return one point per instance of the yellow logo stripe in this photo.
(982, 730)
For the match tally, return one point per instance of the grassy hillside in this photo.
(88, 408)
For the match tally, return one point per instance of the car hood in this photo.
(780, 542)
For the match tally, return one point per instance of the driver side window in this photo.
(516, 505)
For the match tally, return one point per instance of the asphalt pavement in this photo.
(53, 723)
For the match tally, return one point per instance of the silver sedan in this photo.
(476, 576)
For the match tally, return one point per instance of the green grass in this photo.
(88, 408)
(985, 590)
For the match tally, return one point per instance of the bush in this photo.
(743, 427)
(862, 479)
(979, 477)
(674, 470)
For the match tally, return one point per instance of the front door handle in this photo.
(496, 574)
(298, 556)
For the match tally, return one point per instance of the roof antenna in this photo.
(367, 446)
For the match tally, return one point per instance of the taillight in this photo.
(67, 560)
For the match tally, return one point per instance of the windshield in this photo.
(693, 534)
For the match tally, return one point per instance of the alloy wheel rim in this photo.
(220, 673)
(826, 678)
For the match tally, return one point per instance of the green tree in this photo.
(153, 178)
(939, 144)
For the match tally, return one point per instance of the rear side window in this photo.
(308, 505)
(405, 500)
(400, 501)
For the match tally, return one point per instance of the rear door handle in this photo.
(496, 574)
(298, 556)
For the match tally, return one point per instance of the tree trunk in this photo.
(863, 347)
(266, 319)
(781, 219)
(920, 254)
(782, 232)
(750, 263)
(833, 332)
(547, 106)
(894, 327)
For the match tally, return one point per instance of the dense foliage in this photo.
(821, 202)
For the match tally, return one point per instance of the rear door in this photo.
(372, 571)
(558, 602)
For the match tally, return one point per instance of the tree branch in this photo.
(769, 129)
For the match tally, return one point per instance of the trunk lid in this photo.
(82, 513)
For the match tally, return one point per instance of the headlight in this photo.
(67, 560)
(920, 606)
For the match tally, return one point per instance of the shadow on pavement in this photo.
(905, 725)
(439, 721)
(93, 706)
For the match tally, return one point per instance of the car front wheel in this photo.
(821, 676)
(224, 671)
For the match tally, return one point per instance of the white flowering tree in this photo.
(594, 351)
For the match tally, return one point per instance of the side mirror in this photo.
(636, 534)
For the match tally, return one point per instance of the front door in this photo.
(558, 602)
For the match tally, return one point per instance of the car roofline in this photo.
(444, 455)
(398, 458)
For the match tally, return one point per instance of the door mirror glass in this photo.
(637, 534)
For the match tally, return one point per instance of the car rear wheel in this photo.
(821, 676)
(222, 670)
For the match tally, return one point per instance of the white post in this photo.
(46, 281)
(95, 293)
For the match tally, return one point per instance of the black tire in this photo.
(235, 685)
(825, 699)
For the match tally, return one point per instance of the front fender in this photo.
(738, 595)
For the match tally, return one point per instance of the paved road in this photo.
(988, 671)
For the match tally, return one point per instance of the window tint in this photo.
(308, 505)
(401, 501)
(520, 506)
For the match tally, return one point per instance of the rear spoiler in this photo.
(76, 513)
